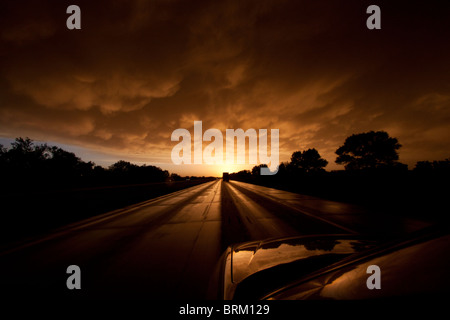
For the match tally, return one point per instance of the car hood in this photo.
(250, 258)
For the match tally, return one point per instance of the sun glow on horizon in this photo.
(231, 168)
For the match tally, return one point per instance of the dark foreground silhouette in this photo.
(45, 187)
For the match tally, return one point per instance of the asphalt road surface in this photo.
(167, 248)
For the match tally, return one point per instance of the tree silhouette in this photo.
(126, 172)
(176, 177)
(22, 145)
(370, 150)
(242, 175)
(24, 159)
(307, 161)
(256, 170)
(122, 166)
(436, 167)
(3, 152)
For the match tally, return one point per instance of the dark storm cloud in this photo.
(137, 70)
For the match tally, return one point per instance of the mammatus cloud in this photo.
(137, 70)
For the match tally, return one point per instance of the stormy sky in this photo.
(138, 70)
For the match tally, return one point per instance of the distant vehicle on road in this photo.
(335, 267)
(226, 176)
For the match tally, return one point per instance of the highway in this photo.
(167, 247)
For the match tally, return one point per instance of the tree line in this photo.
(371, 153)
(26, 164)
(365, 153)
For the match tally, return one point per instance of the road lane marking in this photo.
(286, 204)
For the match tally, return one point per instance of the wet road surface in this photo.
(167, 248)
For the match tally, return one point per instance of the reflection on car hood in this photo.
(252, 257)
